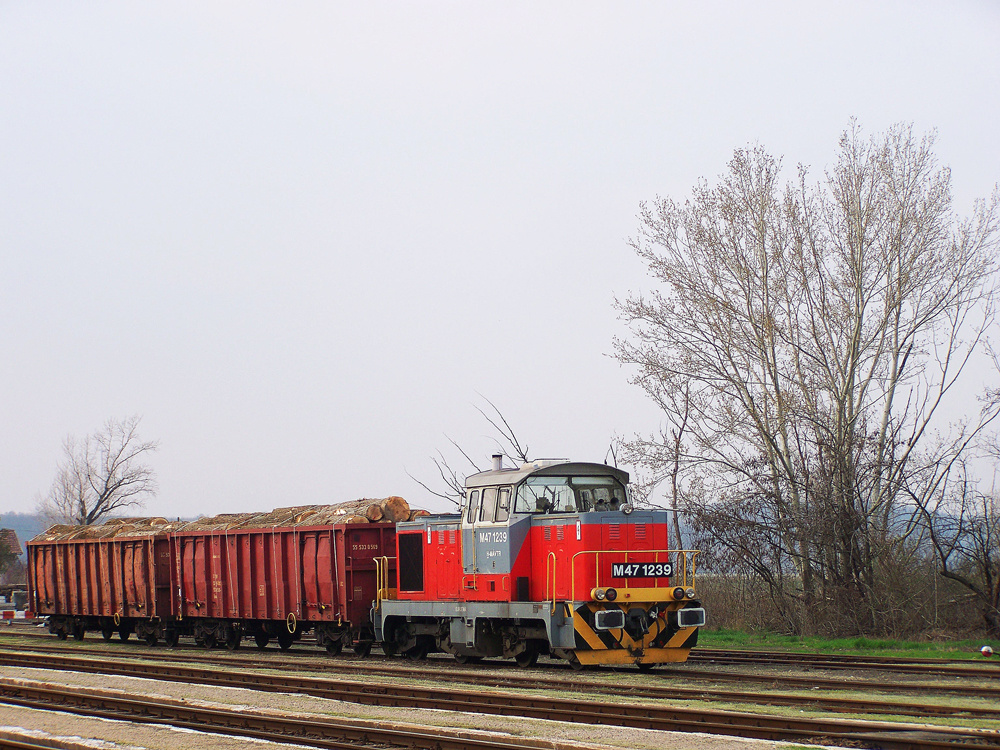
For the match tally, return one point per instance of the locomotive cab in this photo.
(545, 557)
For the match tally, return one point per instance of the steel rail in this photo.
(821, 661)
(698, 655)
(828, 682)
(972, 661)
(533, 682)
(644, 716)
(324, 732)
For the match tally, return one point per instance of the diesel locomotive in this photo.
(547, 558)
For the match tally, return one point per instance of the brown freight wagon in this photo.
(279, 582)
(112, 579)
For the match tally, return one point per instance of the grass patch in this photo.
(966, 649)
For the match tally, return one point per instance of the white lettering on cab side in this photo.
(492, 537)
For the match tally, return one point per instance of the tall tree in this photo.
(102, 474)
(815, 331)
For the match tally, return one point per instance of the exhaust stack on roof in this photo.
(497, 461)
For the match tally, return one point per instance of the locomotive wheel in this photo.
(645, 667)
(362, 648)
(334, 646)
(576, 665)
(418, 652)
(527, 658)
(171, 637)
(389, 648)
(261, 639)
(285, 641)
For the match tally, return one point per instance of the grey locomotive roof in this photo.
(545, 469)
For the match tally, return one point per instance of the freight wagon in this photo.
(265, 577)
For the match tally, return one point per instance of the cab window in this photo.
(569, 494)
(473, 505)
(503, 504)
(489, 504)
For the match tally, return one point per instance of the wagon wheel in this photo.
(78, 632)
(209, 640)
(334, 646)
(285, 641)
(362, 649)
(262, 639)
(466, 659)
(233, 639)
(124, 632)
(107, 633)
(151, 639)
(171, 637)
(61, 635)
(527, 658)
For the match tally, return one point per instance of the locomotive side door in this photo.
(469, 532)
(485, 532)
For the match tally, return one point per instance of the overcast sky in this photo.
(301, 239)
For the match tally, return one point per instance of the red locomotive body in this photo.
(545, 558)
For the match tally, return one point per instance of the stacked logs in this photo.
(393, 509)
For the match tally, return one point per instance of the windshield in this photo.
(569, 494)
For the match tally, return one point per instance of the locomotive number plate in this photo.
(642, 570)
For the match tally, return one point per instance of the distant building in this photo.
(9, 540)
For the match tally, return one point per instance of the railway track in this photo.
(316, 732)
(948, 668)
(650, 690)
(626, 714)
(451, 670)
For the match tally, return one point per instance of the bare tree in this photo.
(100, 475)
(963, 529)
(453, 479)
(815, 332)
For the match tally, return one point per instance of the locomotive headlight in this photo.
(597, 594)
(678, 593)
(689, 593)
(612, 594)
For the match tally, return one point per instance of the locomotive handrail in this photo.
(550, 563)
(379, 562)
(682, 558)
(382, 589)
